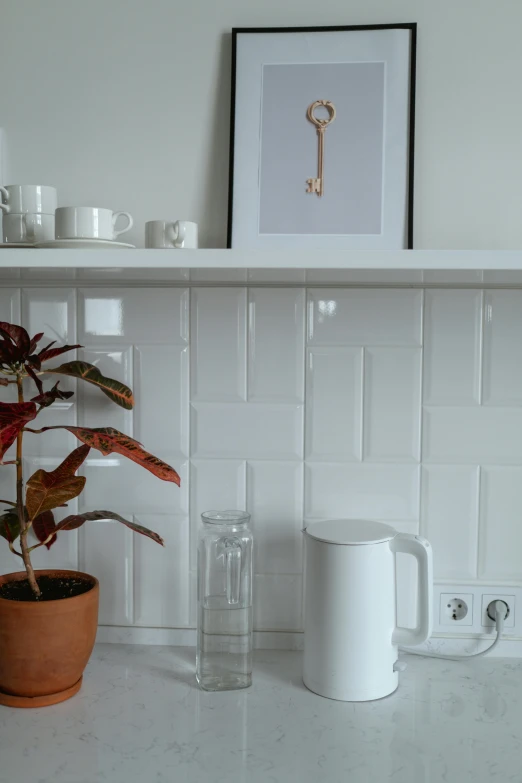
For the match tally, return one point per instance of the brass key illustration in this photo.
(316, 184)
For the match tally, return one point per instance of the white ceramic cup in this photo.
(89, 223)
(17, 199)
(31, 227)
(163, 234)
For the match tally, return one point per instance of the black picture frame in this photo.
(411, 26)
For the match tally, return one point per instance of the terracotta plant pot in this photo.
(44, 647)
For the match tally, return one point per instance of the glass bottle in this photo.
(224, 646)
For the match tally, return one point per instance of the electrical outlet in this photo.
(462, 610)
(455, 609)
(510, 600)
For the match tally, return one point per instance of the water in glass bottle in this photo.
(224, 647)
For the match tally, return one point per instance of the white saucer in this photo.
(15, 244)
(68, 244)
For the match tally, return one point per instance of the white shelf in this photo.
(406, 267)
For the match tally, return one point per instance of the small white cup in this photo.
(31, 227)
(89, 223)
(162, 234)
(17, 199)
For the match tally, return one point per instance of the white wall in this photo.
(125, 104)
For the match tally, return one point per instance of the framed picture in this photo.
(322, 134)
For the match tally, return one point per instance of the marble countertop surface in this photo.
(140, 717)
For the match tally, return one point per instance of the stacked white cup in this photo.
(27, 213)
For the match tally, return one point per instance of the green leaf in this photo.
(9, 526)
(115, 391)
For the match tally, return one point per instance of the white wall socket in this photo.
(462, 609)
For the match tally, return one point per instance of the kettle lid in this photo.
(350, 531)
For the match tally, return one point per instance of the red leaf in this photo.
(9, 353)
(48, 397)
(108, 440)
(75, 521)
(34, 361)
(34, 342)
(48, 490)
(51, 353)
(19, 337)
(13, 417)
(43, 526)
(36, 379)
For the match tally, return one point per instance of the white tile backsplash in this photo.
(401, 405)
(247, 430)
(334, 390)
(219, 354)
(276, 344)
(392, 384)
(364, 316)
(479, 434)
(449, 518)
(452, 343)
(502, 353)
(362, 491)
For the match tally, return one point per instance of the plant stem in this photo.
(20, 503)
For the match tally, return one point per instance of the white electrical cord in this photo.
(500, 609)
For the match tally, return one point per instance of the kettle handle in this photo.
(420, 549)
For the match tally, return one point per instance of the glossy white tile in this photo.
(161, 386)
(10, 305)
(276, 345)
(275, 500)
(133, 315)
(333, 429)
(452, 347)
(500, 523)
(218, 344)
(94, 408)
(502, 384)
(364, 316)
(392, 405)
(117, 484)
(246, 430)
(369, 491)
(214, 484)
(161, 574)
(53, 443)
(473, 435)
(106, 552)
(278, 602)
(449, 518)
(53, 312)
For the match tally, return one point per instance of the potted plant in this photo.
(48, 619)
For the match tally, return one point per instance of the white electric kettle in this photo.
(351, 635)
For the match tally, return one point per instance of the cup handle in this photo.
(5, 207)
(180, 228)
(29, 233)
(115, 216)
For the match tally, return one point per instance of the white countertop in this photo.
(140, 717)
